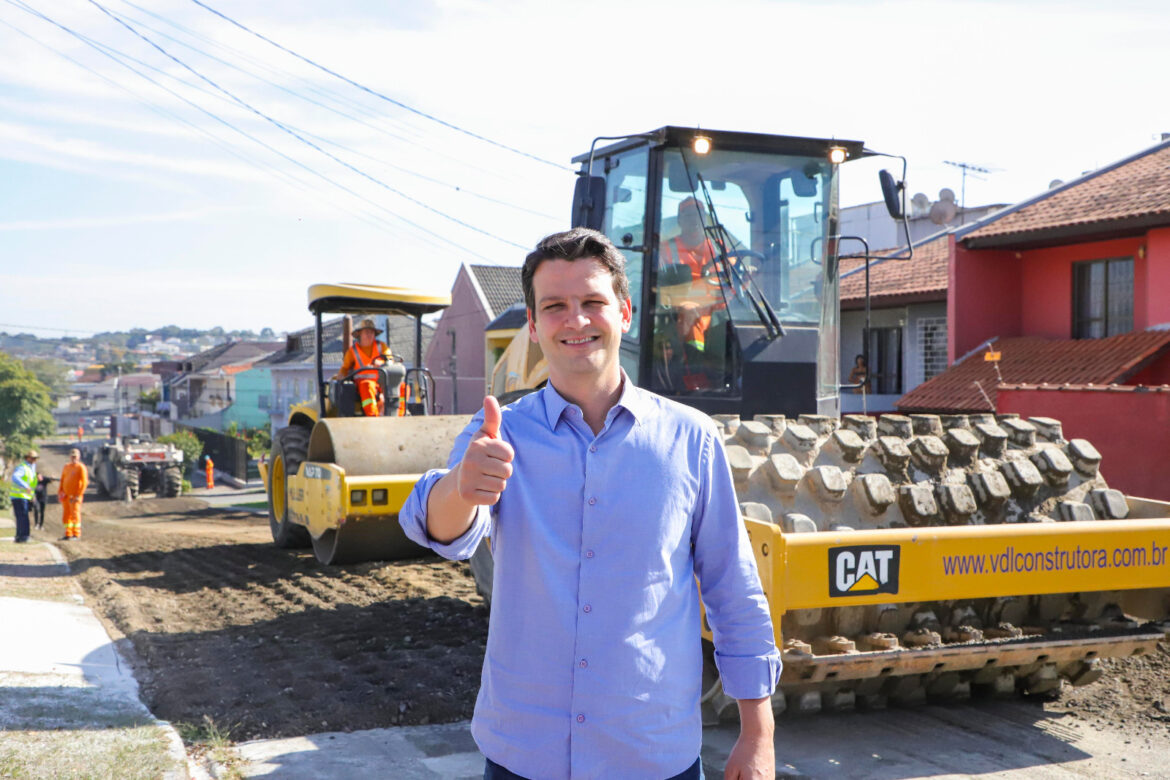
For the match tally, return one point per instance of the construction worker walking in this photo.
(71, 492)
(80, 432)
(367, 354)
(22, 490)
(209, 471)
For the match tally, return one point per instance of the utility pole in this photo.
(453, 369)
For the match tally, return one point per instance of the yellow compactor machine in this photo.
(903, 557)
(335, 478)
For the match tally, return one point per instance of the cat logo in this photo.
(863, 569)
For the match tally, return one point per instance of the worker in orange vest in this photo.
(80, 432)
(209, 471)
(71, 492)
(366, 353)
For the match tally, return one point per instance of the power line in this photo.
(100, 48)
(377, 94)
(294, 134)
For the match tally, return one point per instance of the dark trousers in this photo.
(38, 508)
(20, 509)
(494, 771)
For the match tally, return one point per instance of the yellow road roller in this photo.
(336, 478)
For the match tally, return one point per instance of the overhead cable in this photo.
(376, 93)
(99, 48)
(284, 128)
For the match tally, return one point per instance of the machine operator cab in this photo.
(728, 239)
(373, 385)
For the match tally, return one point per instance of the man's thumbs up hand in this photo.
(487, 464)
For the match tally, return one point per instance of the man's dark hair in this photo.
(576, 244)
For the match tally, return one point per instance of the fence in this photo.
(229, 453)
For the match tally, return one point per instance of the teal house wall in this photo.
(250, 399)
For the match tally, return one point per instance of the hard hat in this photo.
(367, 324)
(32, 454)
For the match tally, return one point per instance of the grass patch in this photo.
(52, 730)
(252, 505)
(207, 739)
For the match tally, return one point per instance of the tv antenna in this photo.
(973, 170)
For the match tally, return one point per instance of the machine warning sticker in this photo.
(860, 570)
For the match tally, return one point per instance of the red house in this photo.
(1087, 260)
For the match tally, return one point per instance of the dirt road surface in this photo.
(267, 643)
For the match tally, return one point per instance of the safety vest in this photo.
(360, 361)
(700, 259)
(24, 481)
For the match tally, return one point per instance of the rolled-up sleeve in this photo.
(745, 645)
(413, 515)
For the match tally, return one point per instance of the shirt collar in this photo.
(632, 399)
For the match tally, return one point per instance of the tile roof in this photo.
(1036, 361)
(1132, 193)
(500, 285)
(922, 278)
(515, 316)
(231, 353)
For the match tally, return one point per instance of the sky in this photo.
(161, 165)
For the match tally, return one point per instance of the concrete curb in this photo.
(124, 653)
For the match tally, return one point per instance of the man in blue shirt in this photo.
(603, 502)
(21, 491)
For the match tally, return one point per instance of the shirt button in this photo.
(584, 664)
(587, 608)
(580, 718)
(592, 501)
(588, 553)
(593, 448)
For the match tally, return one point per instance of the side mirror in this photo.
(589, 202)
(891, 191)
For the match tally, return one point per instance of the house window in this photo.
(1102, 298)
(932, 346)
(885, 360)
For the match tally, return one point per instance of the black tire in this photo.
(131, 476)
(483, 570)
(290, 448)
(171, 482)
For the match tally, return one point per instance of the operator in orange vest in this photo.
(366, 353)
(80, 432)
(694, 249)
(209, 471)
(71, 492)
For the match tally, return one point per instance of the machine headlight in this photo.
(357, 497)
(378, 496)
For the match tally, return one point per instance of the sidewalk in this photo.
(69, 703)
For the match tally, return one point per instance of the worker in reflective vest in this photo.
(209, 471)
(21, 491)
(695, 250)
(71, 491)
(366, 354)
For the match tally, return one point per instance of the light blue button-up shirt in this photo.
(594, 661)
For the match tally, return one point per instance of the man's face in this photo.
(365, 337)
(690, 222)
(74, 456)
(578, 320)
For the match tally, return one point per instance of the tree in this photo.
(268, 334)
(24, 407)
(187, 442)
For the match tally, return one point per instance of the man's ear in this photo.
(531, 326)
(627, 315)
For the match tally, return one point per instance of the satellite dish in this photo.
(944, 209)
(920, 204)
(1054, 184)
